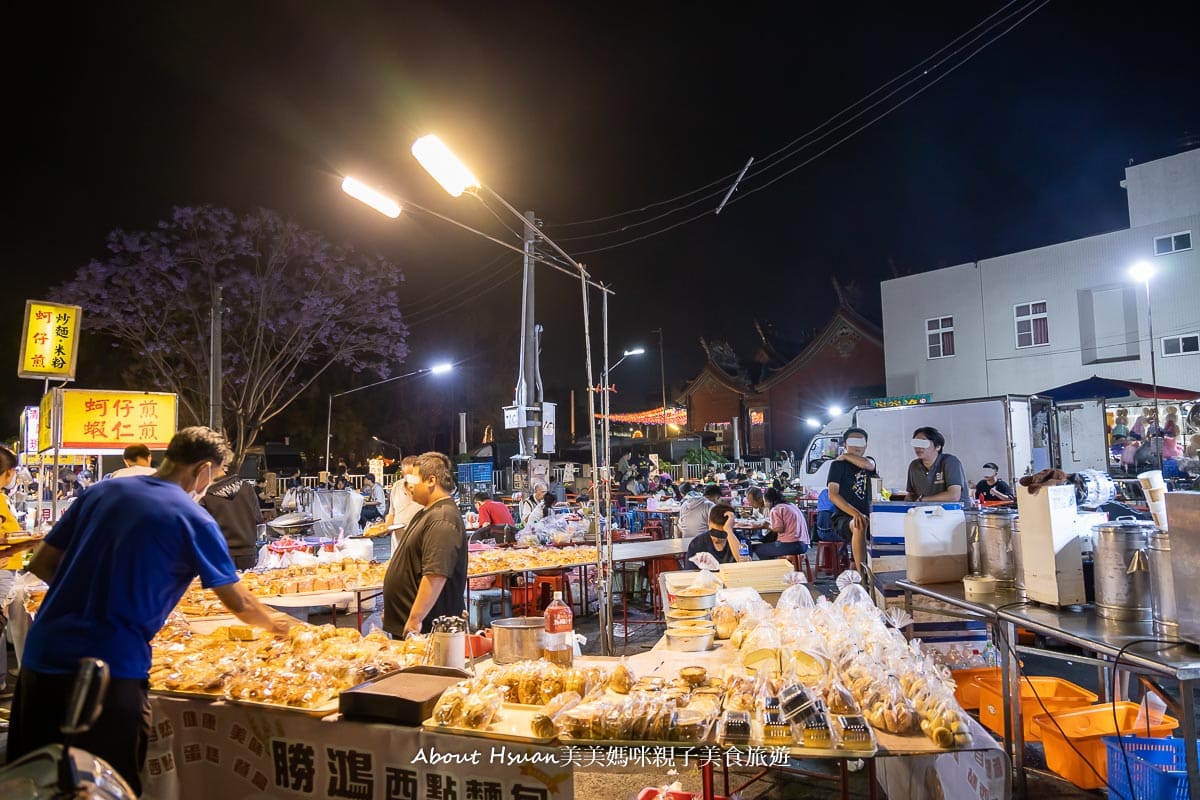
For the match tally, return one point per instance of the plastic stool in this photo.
(654, 529)
(829, 558)
(800, 563)
(550, 582)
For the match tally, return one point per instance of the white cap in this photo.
(558, 595)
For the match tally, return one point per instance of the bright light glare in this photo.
(813, 422)
(376, 200)
(637, 351)
(439, 369)
(835, 410)
(1142, 271)
(445, 168)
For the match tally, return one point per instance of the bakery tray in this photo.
(705, 739)
(514, 725)
(406, 697)
(317, 713)
(186, 695)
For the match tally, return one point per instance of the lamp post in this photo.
(436, 369)
(1142, 272)
(662, 376)
(607, 412)
(455, 178)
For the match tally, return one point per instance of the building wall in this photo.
(712, 402)
(907, 303)
(1165, 189)
(1096, 317)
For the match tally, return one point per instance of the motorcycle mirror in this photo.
(87, 696)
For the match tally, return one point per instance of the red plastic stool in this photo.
(800, 562)
(549, 582)
(829, 558)
(654, 529)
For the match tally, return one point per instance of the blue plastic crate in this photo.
(1157, 768)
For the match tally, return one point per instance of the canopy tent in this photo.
(1113, 389)
(674, 416)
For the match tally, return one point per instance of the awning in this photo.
(1113, 389)
(674, 416)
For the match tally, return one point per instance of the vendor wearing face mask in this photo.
(991, 487)
(720, 542)
(850, 492)
(934, 476)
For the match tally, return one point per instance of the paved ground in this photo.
(619, 785)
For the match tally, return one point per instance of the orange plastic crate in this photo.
(1055, 693)
(966, 684)
(1085, 728)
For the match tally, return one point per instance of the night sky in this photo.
(119, 111)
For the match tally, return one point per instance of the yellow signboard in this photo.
(49, 340)
(45, 435)
(100, 419)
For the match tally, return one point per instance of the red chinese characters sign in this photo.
(49, 340)
(99, 420)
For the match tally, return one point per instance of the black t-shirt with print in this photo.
(854, 485)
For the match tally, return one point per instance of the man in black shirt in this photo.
(991, 487)
(850, 492)
(233, 503)
(720, 542)
(427, 576)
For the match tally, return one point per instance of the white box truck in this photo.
(1013, 431)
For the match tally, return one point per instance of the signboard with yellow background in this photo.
(103, 420)
(49, 340)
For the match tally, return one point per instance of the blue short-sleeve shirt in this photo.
(130, 549)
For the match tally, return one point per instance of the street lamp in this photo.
(607, 412)
(1143, 272)
(377, 200)
(436, 369)
(835, 411)
(813, 422)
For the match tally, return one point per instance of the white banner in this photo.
(219, 750)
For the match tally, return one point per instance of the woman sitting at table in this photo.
(720, 542)
(787, 523)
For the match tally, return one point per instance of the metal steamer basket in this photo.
(1122, 571)
(517, 639)
(999, 547)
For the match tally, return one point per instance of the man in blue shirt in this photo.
(117, 563)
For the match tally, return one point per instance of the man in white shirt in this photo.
(137, 462)
(402, 508)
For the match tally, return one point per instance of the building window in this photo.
(1172, 243)
(1186, 345)
(1033, 327)
(939, 337)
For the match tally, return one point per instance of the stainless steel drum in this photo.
(999, 556)
(1122, 575)
(1094, 488)
(974, 547)
(1162, 585)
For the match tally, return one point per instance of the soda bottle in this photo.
(558, 640)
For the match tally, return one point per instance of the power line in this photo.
(766, 161)
(814, 157)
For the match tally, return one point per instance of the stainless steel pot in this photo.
(1122, 576)
(974, 556)
(999, 554)
(517, 639)
(1162, 585)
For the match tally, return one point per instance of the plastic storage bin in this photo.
(1157, 768)
(966, 684)
(1055, 693)
(1086, 728)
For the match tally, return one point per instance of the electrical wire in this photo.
(810, 132)
(859, 129)
(483, 289)
(424, 306)
(1116, 722)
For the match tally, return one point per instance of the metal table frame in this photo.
(1083, 629)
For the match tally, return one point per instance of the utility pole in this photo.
(527, 371)
(215, 376)
(662, 372)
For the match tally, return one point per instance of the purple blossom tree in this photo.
(294, 304)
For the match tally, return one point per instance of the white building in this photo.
(1030, 321)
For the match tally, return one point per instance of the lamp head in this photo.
(835, 411)
(1142, 271)
(637, 351)
(443, 165)
(375, 199)
(812, 422)
(441, 369)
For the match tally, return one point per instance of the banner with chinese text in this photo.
(99, 420)
(201, 749)
(49, 340)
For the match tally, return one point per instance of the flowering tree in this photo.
(294, 304)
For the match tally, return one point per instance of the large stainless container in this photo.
(974, 554)
(1122, 577)
(999, 556)
(1162, 585)
(517, 639)
(1183, 511)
